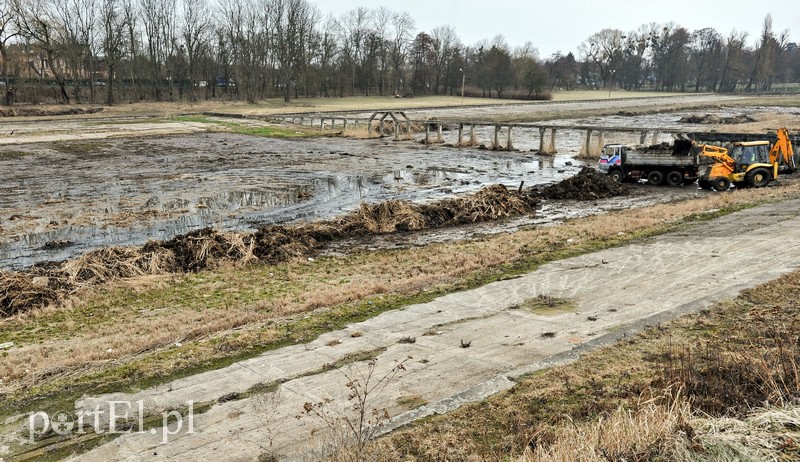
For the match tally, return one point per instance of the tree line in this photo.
(167, 50)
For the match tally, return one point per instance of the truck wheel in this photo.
(758, 177)
(720, 183)
(617, 175)
(655, 177)
(674, 178)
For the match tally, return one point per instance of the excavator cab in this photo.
(745, 154)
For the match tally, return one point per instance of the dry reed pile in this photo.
(206, 248)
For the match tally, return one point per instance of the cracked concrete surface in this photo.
(623, 288)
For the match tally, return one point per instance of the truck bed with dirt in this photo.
(676, 164)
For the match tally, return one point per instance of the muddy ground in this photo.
(129, 190)
(125, 191)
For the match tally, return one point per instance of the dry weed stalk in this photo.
(625, 434)
(350, 432)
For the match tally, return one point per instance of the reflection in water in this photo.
(332, 195)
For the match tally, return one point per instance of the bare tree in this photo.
(292, 22)
(768, 56)
(402, 27)
(444, 46)
(114, 24)
(670, 50)
(601, 49)
(159, 21)
(244, 37)
(499, 66)
(77, 20)
(195, 33)
(705, 54)
(38, 22)
(354, 27)
(9, 70)
(733, 68)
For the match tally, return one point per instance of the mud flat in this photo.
(58, 200)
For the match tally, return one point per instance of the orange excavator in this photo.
(748, 164)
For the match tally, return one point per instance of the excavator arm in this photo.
(782, 151)
(718, 154)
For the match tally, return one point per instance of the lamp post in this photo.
(611, 82)
(463, 79)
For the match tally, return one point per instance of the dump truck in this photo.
(748, 163)
(675, 165)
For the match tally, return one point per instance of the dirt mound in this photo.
(588, 184)
(38, 112)
(206, 248)
(678, 148)
(712, 119)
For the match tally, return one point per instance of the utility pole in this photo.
(463, 79)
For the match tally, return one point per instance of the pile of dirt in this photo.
(39, 112)
(588, 184)
(678, 148)
(660, 147)
(207, 248)
(712, 119)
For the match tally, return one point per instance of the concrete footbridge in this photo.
(398, 125)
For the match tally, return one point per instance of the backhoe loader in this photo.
(749, 164)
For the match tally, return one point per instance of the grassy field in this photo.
(150, 330)
(365, 103)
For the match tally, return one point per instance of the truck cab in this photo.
(611, 160)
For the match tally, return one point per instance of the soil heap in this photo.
(588, 184)
(712, 119)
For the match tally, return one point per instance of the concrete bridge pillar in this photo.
(642, 137)
(439, 138)
(495, 138)
(509, 145)
(601, 141)
(655, 137)
(460, 134)
(344, 125)
(380, 128)
(551, 149)
(542, 132)
(427, 133)
(587, 145)
(473, 140)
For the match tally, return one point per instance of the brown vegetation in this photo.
(231, 311)
(198, 250)
(642, 398)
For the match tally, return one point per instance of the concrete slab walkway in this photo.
(617, 291)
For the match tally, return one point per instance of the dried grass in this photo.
(209, 248)
(627, 434)
(19, 293)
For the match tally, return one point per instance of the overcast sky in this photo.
(561, 25)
